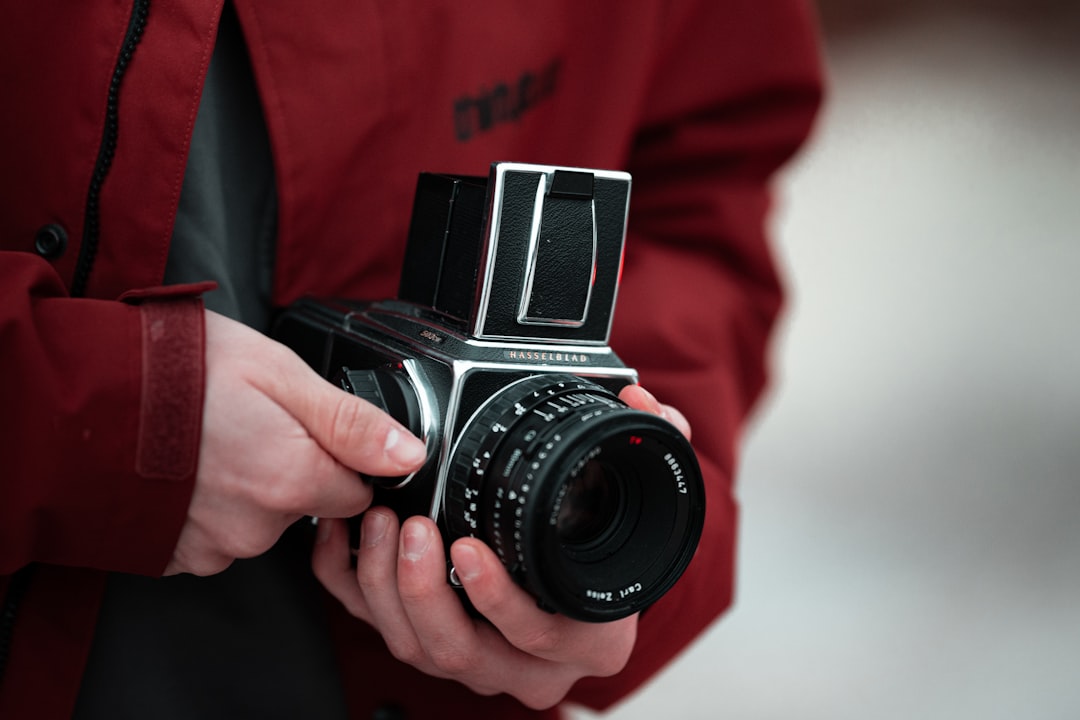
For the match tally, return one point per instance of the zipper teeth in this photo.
(107, 150)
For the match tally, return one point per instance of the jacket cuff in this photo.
(173, 353)
(170, 411)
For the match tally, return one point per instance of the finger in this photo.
(354, 431)
(454, 644)
(328, 489)
(446, 633)
(639, 398)
(594, 648)
(551, 652)
(331, 562)
(209, 562)
(377, 578)
(498, 598)
(676, 418)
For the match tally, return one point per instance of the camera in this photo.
(495, 353)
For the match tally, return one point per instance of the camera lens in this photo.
(593, 507)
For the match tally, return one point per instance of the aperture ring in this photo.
(480, 442)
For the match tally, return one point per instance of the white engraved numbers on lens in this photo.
(505, 454)
(676, 470)
(471, 509)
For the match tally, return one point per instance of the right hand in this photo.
(278, 443)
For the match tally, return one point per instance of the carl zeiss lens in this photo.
(594, 507)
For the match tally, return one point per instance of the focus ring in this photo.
(479, 443)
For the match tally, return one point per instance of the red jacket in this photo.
(101, 370)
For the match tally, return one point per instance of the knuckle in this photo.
(350, 420)
(289, 495)
(541, 641)
(407, 651)
(210, 564)
(452, 661)
(416, 590)
(370, 577)
(609, 663)
(355, 499)
(611, 655)
(541, 696)
(209, 569)
(481, 689)
(413, 594)
(248, 544)
(322, 568)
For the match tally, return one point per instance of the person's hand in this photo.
(399, 586)
(639, 398)
(278, 442)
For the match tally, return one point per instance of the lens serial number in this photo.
(676, 470)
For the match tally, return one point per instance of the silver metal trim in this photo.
(491, 248)
(370, 317)
(534, 243)
(494, 219)
(428, 428)
(532, 344)
(459, 380)
(451, 429)
(496, 340)
(622, 254)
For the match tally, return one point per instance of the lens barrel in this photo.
(594, 507)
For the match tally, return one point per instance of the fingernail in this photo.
(415, 541)
(403, 448)
(322, 530)
(674, 415)
(654, 405)
(467, 563)
(373, 528)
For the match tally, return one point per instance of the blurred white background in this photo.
(911, 489)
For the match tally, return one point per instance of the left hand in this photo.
(399, 586)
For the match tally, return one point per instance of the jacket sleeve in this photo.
(100, 420)
(734, 97)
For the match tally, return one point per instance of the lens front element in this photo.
(590, 507)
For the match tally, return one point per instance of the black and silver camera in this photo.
(495, 354)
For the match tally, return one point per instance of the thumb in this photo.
(358, 434)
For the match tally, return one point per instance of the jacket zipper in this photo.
(107, 150)
(91, 232)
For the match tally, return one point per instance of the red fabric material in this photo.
(701, 101)
(51, 643)
(97, 475)
(76, 422)
(170, 422)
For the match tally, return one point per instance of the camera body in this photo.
(495, 354)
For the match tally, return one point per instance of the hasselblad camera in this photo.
(495, 353)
